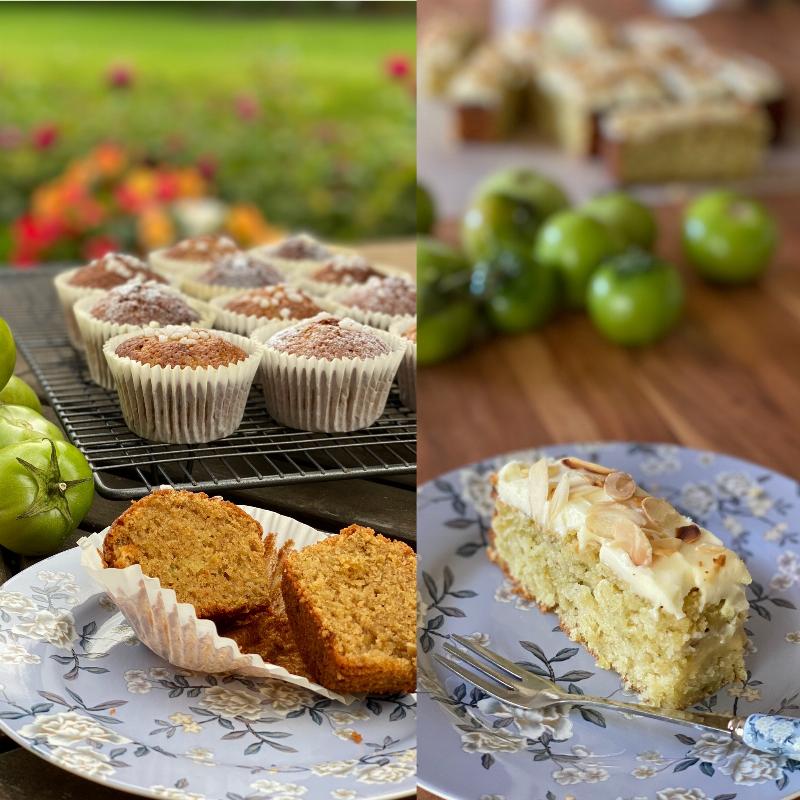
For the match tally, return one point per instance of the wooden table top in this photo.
(727, 379)
(388, 505)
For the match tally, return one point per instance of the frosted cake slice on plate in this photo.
(651, 594)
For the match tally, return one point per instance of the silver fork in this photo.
(515, 686)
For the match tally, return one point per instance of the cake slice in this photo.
(351, 604)
(267, 633)
(695, 141)
(207, 550)
(651, 594)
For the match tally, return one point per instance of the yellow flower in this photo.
(154, 228)
(247, 225)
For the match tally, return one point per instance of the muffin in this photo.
(182, 385)
(380, 301)
(228, 273)
(208, 551)
(100, 275)
(134, 305)
(296, 251)
(351, 605)
(191, 256)
(327, 373)
(333, 273)
(277, 306)
(407, 374)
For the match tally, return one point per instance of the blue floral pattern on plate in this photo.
(473, 748)
(78, 689)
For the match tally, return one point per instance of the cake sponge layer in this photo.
(670, 661)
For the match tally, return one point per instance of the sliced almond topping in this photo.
(641, 550)
(538, 489)
(620, 528)
(604, 522)
(587, 466)
(665, 547)
(688, 533)
(720, 560)
(560, 496)
(619, 485)
(661, 513)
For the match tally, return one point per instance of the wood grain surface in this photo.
(727, 379)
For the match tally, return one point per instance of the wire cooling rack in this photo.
(260, 453)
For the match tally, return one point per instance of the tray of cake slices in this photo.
(650, 97)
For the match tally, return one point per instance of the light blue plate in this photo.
(473, 749)
(98, 703)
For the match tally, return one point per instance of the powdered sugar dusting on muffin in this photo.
(388, 295)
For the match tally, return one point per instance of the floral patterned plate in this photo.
(78, 689)
(472, 748)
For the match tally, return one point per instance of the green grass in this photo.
(332, 147)
(170, 44)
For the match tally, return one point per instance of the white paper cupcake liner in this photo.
(96, 332)
(182, 405)
(317, 394)
(68, 295)
(173, 631)
(407, 373)
(245, 324)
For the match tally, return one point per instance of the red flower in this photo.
(120, 76)
(98, 246)
(31, 237)
(166, 186)
(397, 67)
(246, 107)
(45, 136)
(207, 166)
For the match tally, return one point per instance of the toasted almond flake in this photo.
(608, 523)
(619, 485)
(720, 560)
(640, 550)
(586, 466)
(538, 488)
(660, 513)
(560, 496)
(665, 547)
(688, 533)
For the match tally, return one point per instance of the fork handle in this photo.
(770, 734)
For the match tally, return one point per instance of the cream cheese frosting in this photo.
(674, 557)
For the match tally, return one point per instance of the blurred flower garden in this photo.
(127, 127)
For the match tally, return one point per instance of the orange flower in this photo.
(110, 159)
(190, 183)
(247, 225)
(154, 228)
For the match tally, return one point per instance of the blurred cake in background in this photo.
(650, 96)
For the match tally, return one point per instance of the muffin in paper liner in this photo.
(303, 278)
(333, 396)
(173, 631)
(407, 374)
(245, 324)
(182, 405)
(293, 268)
(68, 295)
(96, 332)
(176, 268)
(374, 319)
